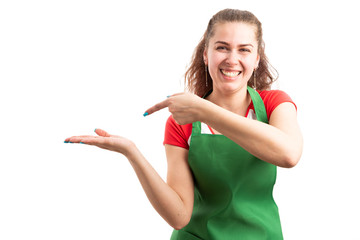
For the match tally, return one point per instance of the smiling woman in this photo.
(232, 43)
(223, 140)
(249, 31)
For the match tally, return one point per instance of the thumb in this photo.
(101, 132)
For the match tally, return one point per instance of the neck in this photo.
(236, 102)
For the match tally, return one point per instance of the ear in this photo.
(257, 60)
(205, 56)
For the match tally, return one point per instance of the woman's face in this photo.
(231, 55)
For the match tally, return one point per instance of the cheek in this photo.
(213, 59)
(213, 64)
(250, 63)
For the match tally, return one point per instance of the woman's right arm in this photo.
(172, 200)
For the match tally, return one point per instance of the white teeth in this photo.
(230, 74)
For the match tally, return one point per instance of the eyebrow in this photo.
(240, 45)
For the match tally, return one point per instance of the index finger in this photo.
(157, 107)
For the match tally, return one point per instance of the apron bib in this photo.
(233, 189)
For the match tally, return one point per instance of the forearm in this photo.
(162, 197)
(264, 141)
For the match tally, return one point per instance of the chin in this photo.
(232, 87)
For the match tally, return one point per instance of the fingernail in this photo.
(168, 96)
(66, 142)
(145, 114)
(82, 143)
(95, 130)
(70, 142)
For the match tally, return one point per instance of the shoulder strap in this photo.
(259, 106)
(196, 128)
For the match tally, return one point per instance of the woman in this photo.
(221, 163)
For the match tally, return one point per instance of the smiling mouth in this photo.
(230, 73)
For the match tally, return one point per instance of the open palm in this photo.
(104, 140)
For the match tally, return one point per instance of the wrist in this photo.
(135, 157)
(204, 112)
(131, 151)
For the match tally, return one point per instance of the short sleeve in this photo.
(176, 134)
(274, 98)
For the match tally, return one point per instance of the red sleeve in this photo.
(274, 98)
(176, 134)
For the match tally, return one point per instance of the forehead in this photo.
(234, 33)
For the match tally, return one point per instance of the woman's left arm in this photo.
(279, 142)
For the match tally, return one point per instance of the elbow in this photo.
(290, 163)
(291, 156)
(290, 160)
(180, 223)
(178, 227)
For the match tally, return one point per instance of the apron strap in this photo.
(259, 106)
(196, 128)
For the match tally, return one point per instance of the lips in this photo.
(230, 73)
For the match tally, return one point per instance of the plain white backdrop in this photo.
(68, 67)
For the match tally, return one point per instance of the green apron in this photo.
(233, 189)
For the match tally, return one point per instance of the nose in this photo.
(232, 58)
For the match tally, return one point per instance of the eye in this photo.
(244, 50)
(221, 48)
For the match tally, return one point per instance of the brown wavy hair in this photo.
(195, 76)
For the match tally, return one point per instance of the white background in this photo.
(68, 67)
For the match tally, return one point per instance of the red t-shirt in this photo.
(178, 135)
